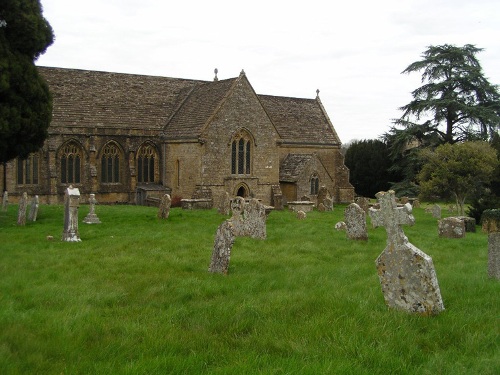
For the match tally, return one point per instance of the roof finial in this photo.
(242, 72)
(317, 93)
(216, 71)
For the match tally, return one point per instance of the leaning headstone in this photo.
(5, 200)
(491, 224)
(33, 209)
(224, 204)
(406, 274)
(91, 217)
(436, 211)
(164, 208)
(71, 205)
(355, 222)
(21, 212)
(451, 227)
(224, 240)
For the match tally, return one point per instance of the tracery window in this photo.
(28, 170)
(241, 154)
(70, 158)
(146, 164)
(110, 164)
(314, 185)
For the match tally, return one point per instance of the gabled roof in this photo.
(113, 100)
(300, 120)
(293, 165)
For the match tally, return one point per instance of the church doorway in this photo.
(242, 191)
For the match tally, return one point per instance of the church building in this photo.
(132, 138)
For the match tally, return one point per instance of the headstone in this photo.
(325, 198)
(277, 197)
(33, 209)
(406, 274)
(91, 217)
(363, 202)
(71, 205)
(321, 207)
(301, 215)
(224, 240)
(355, 222)
(436, 211)
(451, 227)
(5, 200)
(340, 226)
(416, 203)
(469, 222)
(491, 225)
(328, 202)
(224, 204)
(164, 208)
(21, 212)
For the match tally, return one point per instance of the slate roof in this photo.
(293, 165)
(300, 120)
(112, 100)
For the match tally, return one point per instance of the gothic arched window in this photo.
(110, 163)
(241, 154)
(70, 162)
(27, 170)
(314, 185)
(146, 163)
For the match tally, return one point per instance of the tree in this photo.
(460, 170)
(368, 162)
(25, 101)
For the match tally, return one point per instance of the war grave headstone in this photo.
(354, 223)
(71, 205)
(91, 217)
(407, 275)
(33, 209)
(451, 227)
(248, 220)
(491, 225)
(21, 211)
(5, 201)
(164, 208)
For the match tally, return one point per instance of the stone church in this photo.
(132, 138)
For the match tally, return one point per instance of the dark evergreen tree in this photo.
(25, 101)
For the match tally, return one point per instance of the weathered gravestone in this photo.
(406, 274)
(301, 215)
(436, 211)
(491, 225)
(363, 202)
(33, 209)
(164, 208)
(325, 198)
(5, 200)
(91, 217)
(224, 204)
(451, 227)
(354, 223)
(71, 205)
(248, 220)
(21, 211)
(469, 223)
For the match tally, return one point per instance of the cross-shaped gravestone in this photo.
(406, 274)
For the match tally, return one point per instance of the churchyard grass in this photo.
(135, 297)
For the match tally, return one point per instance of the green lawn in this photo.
(135, 297)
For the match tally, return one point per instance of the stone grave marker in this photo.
(33, 209)
(407, 275)
(71, 205)
(5, 200)
(491, 225)
(224, 240)
(91, 217)
(363, 202)
(325, 198)
(164, 208)
(451, 227)
(224, 204)
(436, 211)
(301, 215)
(354, 223)
(469, 223)
(21, 212)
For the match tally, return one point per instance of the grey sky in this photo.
(352, 51)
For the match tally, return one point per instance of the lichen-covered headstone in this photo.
(224, 204)
(71, 205)
(436, 211)
(355, 222)
(164, 208)
(224, 240)
(325, 198)
(469, 223)
(21, 212)
(91, 217)
(33, 209)
(407, 275)
(363, 202)
(451, 227)
(491, 224)
(5, 200)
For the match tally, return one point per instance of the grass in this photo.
(135, 297)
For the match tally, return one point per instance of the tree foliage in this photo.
(460, 170)
(25, 101)
(368, 162)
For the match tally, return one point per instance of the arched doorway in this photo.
(242, 191)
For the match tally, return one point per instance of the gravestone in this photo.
(301, 215)
(71, 205)
(224, 240)
(451, 227)
(164, 208)
(33, 209)
(416, 203)
(469, 223)
(436, 211)
(91, 217)
(21, 212)
(277, 197)
(5, 200)
(354, 222)
(407, 275)
(325, 198)
(328, 202)
(321, 207)
(491, 225)
(224, 204)
(363, 202)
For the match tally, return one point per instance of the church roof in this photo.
(300, 120)
(293, 165)
(112, 100)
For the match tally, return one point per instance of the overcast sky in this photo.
(352, 51)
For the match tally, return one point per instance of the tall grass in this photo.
(135, 297)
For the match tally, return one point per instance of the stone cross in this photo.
(406, 274)
(71, 205)
(21, 212)
(91, 217)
